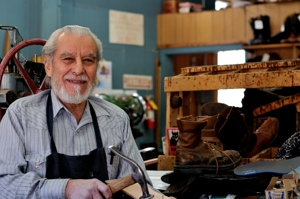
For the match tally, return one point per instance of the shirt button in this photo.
(36, 167)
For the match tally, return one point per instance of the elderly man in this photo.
(55, 144)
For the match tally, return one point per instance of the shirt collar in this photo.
(57, 106)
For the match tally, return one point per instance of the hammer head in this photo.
(138, 174)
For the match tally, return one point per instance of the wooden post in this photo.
(157, 136)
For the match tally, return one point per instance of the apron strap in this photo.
(96, 127)
(49, 114)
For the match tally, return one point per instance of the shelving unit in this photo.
(285, 50)
(285, 73)
(219, 31)
(213, 31)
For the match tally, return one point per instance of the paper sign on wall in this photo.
(143, 82)
(104, 75)
(126, 28)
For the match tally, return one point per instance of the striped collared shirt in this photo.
(25, 143)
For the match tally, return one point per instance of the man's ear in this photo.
(47, 65)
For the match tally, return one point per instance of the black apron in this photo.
(88, 166)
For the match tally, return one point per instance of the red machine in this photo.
(8, 78)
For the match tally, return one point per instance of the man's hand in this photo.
(87, 189)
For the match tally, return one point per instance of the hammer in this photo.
(137, 176)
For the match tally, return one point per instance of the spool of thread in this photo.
(38, 59)
(6, 44)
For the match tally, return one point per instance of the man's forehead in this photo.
(70, 53)
(72, 41)
(68, 45)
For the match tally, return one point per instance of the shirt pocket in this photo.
(36, 163)
(112, 164)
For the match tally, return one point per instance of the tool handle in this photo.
(116, 185)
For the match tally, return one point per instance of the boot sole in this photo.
(202, 169)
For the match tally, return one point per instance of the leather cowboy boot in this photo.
(264, 135)
(194, 156)
(231, 129)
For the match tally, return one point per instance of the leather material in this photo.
(211, 120)
(208, 132)
(135, 192)
(212, 108)
(232, 131)
(193, 154)
(265, 135)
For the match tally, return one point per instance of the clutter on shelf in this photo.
(187, 7)
(176, 6)
(289, 33)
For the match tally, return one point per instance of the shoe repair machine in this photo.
(18, 80)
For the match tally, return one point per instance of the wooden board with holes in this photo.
(135, 192)
(283, 73)
(294, 99)
(246, 67)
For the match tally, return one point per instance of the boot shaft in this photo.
(189, 131)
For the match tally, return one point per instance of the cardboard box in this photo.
(285, 188)
(170, 6)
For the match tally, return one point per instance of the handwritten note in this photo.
(126, 28)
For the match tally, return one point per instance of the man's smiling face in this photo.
(73, 68)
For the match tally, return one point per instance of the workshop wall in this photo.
(39, 18)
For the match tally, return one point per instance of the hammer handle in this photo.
(116, 185)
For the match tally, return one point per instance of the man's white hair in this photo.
(50, 46)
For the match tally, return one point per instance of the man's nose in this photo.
(78, 67)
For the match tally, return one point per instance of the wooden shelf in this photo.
(284, 50)
(229, 26)
(270, 46)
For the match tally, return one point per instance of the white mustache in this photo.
(74, 77)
